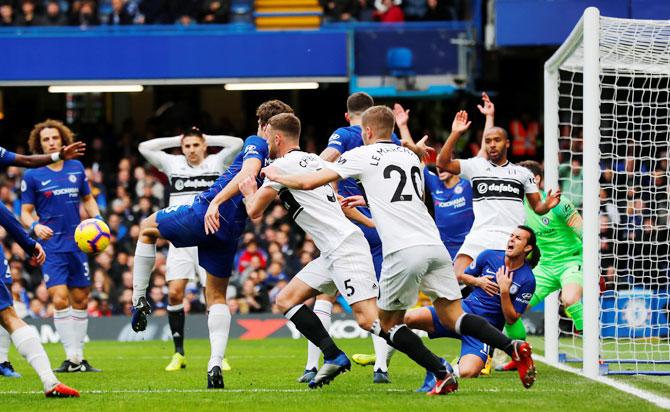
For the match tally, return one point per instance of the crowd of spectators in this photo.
(86, 13)
(634, 210)
(111, 12)
(271, 250)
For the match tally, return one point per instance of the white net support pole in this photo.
(591, 170)
(551, 319)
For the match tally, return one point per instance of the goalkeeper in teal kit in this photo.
(559, 237)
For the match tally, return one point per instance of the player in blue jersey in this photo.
(50, 199)
(25, 338)
(8, 158)
(452, 203)
(511, 269)
(213, 222)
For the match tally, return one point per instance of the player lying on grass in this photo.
(414, 256)
(559, 237)
(345, 264)
(511, 270)
(213, 222)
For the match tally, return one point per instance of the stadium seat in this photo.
(287, 14)
(400, 64)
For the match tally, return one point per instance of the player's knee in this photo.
(570, 299)
(468, 371)
(413, 319)
(175, 296)
(61, 301)
(285, 301)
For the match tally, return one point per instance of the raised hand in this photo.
(423, 147)
(73, 151)
(461, 123)
(401, 115)
(486, 108)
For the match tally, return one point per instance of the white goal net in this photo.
(607, 121)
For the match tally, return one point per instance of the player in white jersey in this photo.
(345, 264)
(189, 174)
(414, 256)
(498, 191)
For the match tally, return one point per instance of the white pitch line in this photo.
(159, 391)
(657, 400)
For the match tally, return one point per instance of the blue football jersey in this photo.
(523, 286)
(255, 147)
(453, 208)
(7, 158)
(343, 140)
(56, 196)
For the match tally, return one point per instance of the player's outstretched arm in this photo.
(420, 148)
(504, 280)
(354, 214)
(250, 167)
(13, 227)
(305, 181)
(551, 201)
(68, 152)
(487, 109)
(445, 160)
(256, 200)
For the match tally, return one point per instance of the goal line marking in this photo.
(624, 387)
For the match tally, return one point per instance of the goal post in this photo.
(607, 138)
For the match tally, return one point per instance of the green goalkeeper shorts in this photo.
(550, 277)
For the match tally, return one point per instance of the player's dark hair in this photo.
(381, 120)
(359, 102)
(497, 129)
(271, 108)
(534, 167)
(193, 132)
(533, 257)
(287, 123)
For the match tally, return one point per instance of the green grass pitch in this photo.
(264, 379)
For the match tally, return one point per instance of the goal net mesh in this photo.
(634, 188)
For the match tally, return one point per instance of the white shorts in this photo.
(426, 268)
(478, 241)
(182, 263)
(348, 269)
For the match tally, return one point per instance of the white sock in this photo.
(383, 352)
(64, 328)
(79, 329)
(322, 309)
(5, 341)
(145, 257)
(218, 322)
(28, 344)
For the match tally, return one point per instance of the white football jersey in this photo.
(187, 181)
(392, 178)
(497, 193)
(316, 211)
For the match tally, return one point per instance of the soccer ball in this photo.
(92, 236)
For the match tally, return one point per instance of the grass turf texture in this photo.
(264, 379)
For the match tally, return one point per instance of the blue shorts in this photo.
(375, 243)
(5, 274)
(184, 227)
(469, 345)
(5, 297)
(66, 268)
